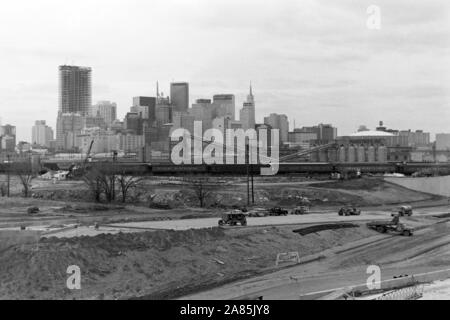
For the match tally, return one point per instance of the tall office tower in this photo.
(7, 138)
(75, 91)
(280, 122)
(202, 111)
(41, 134)
(224, 106)
(247, 114)
(179, 96)
(105, 109)
(145, 107)
(68, 127)
(134, 122)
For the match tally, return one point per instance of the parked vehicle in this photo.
(405, 211)
(277, 211)
(300, 210)
(391, 226)
(233, 218)
(349, 211)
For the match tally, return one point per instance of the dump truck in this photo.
(300, 210)
(277, 211)
(391, 226)
(233, 218)
(349, 211)
(404, 211)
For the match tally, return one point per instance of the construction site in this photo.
(236, 236)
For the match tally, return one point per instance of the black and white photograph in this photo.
(225, 155)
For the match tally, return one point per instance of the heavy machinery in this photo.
(277, 211)
(404, 211)
(233, 218)
(78, 171)
(300, 210)
(349, 211)
(391, 226)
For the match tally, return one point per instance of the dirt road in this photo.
(428, 250)
(186, 224)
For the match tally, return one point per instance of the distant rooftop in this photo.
(371, 133)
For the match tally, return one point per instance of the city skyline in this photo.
(315, 61)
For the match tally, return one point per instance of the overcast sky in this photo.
(314, 60)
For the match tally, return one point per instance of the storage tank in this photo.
(332, 155)
(382, 154)
(351, 153)
(361, 154)
(314, 156)
(342, 154)
(323, 155)
(371, 154)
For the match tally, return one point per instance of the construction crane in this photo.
(76, 171)
(88, 153)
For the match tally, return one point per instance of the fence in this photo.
(408, 293)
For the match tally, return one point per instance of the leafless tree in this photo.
(127, 183)
(26, 174)
(100, 179)
(203, 187)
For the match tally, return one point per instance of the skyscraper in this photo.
(107, 110)
(179, 96)
(280, 122)
(247, 114)
(7, 138)
(224, 106)
(41, 134)
(75, 91)
(145, 107)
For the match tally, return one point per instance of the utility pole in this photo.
(248, 173)
(251, 175)
(9, 171)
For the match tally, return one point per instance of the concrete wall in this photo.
(434, 185)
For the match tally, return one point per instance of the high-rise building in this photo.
(133, 122)
(41, 134)
(7, 138)
(179, 96)
(224, 106)
(107, 110)
(75, 91)
(145, 107)
(280, 122)
(202, 111)
(247, 113)
(68, 127)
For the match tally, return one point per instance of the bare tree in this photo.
(100, 179)
(203, 188)
(126, 184)
(26, 174)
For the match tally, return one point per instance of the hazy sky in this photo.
(314, 60)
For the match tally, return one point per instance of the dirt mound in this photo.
(160, 264)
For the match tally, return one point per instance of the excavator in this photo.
(76, 171)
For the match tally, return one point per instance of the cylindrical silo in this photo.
(323, 155)
(371, 154)
(351, 153)
(314, 156)
(332, 155)
(382, 154)
(342, 155)
(361, 153)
